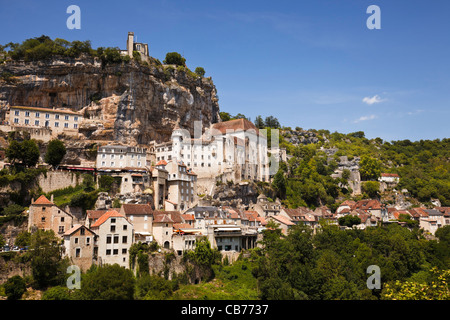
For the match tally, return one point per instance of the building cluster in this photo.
(105, 236)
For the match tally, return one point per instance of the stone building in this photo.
(235, 150)
(79, 243)
(44, 214)
(133, 45)
(115, 236)
(141, 216)
(58, 120)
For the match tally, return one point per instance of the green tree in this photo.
(26, 152)
(349, 220)
(372, 188)
(271, 122)
(224, 116)
(369, 168)
(174, 58)
(23, 239)
(57, 293)
(110, 282)
(15, 287)
(259, 122)
(47, 265)
(56, 150)
(279, 184)
(200, 71)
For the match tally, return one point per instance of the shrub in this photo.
(200, 71)
(15, 287)
(174, 58)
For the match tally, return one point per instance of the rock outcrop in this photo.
(126, 102)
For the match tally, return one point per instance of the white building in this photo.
(115, 236)
(58, 120)
(117, 157)
(235, 150)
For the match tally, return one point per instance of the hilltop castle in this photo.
(140, 47)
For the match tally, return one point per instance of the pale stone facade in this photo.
(117, 157)
(44, 214)
(58, 120)
(115, 236)
(79, 244)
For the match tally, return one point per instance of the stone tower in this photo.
(130, 43)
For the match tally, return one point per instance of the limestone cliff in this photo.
(127, 102)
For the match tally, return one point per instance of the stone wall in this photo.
(58, 180)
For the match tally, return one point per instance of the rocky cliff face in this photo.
(126, 102)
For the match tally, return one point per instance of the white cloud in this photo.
(365, 118)
(372, 100)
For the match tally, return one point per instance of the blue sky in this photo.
(312, 64)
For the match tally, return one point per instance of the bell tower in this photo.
(130, 44)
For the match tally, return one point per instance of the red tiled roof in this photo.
(368, 205)
(283, 220)
(182, 226)
(42, 200)
(235, 125)
(394, 175)
(136, 209)
(163, 218)
(188, 217)
(162, 162)
(95, 214)
(106, 216)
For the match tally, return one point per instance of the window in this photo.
(37, 114)
(66, 117)
(82, 231)
(124, 239)
(47, 116)
(36, 122)
(75, 240)
(116, 239)
(103, 163)
(108, 252)
(124, 227)
(75, 126)
(77, 252)
(56, 124)
(88, 241)
(27, 113)
(115, 252)
(124, 251)
(42, 219)
(16, 113)
(56, 116)
(75, 119)
(66, 125)
(62, 219)
(113, 220)
(113, 228)
(108, 239)
(16, 120)
(61, 229)
(27, 121)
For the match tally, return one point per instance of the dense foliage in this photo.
(332, 264)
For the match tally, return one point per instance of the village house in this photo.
(44, 214)
(79, 243)
(283, 222)
(266, 208)
(141, 216)
(115, 236)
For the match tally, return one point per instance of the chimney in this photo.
(51, 198)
